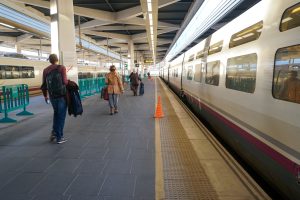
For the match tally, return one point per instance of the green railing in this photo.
(90, 86)
(14, 97)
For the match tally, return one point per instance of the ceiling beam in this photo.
(115, 28)
(163, 41)
(108, 35)
(161, 49)
(165, 24)
(96, 14)
(23, 37)
(129, 13)
(133, 21)
(137, 10)
(92, 24)
(8, 39)
(36, 41)
(122, 46)
(81, 11)
(159, 32)
(38, 3)
(164, 3)
(110, 41)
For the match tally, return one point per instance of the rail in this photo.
(90, 86)
(14, 97)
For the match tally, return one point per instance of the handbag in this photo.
(104, 93)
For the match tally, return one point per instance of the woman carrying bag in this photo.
(114, 89)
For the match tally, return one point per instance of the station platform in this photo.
(127, 156)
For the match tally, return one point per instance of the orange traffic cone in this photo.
(159, 112)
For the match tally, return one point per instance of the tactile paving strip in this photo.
(184, 177)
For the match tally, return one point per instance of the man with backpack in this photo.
(54, 84)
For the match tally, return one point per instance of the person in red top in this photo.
(54, 84)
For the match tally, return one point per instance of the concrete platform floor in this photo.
(105, 158)
(127, 156)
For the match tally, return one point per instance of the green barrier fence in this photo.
(14, 97)
(90, 86)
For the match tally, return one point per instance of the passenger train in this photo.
(244, 81)
(24, 71)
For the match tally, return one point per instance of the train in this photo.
(26, 71)
(244, 82)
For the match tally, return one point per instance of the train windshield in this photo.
(286, 80)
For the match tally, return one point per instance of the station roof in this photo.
(111, 23)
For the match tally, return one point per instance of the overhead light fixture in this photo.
(149, 7)
(150, 17)
(6, 25)
(151, 30)
(151, 23)
(209, 13)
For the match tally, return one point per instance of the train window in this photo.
(12, 72)
(27, 72)
(190, 73)
(80, 75)
(2, 72)
(212, 73)
(215, 48)
(191, 58)
(200, 54)
(286, 80)
(247, 35)
(198, 74)
(241, 73)
(290, 18)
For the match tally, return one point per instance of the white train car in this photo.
(244, 80)
(24, 71)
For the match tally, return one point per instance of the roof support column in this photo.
(63, 35)
(131, 55)
(18, 48)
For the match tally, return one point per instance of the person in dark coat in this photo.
(134, 82)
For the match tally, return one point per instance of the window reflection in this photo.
(241, 73)
(286, 81)
(212, 73)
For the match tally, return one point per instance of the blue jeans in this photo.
(60, 109)
(113, 100)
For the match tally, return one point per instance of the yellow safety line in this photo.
(159, 178)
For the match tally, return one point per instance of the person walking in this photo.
(114, 88)
(54, 84)
(290, 90)
(134, 81)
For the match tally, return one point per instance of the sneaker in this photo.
(116, 111)
(52, 136)
(62, 140)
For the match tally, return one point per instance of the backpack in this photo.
(55, 85)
